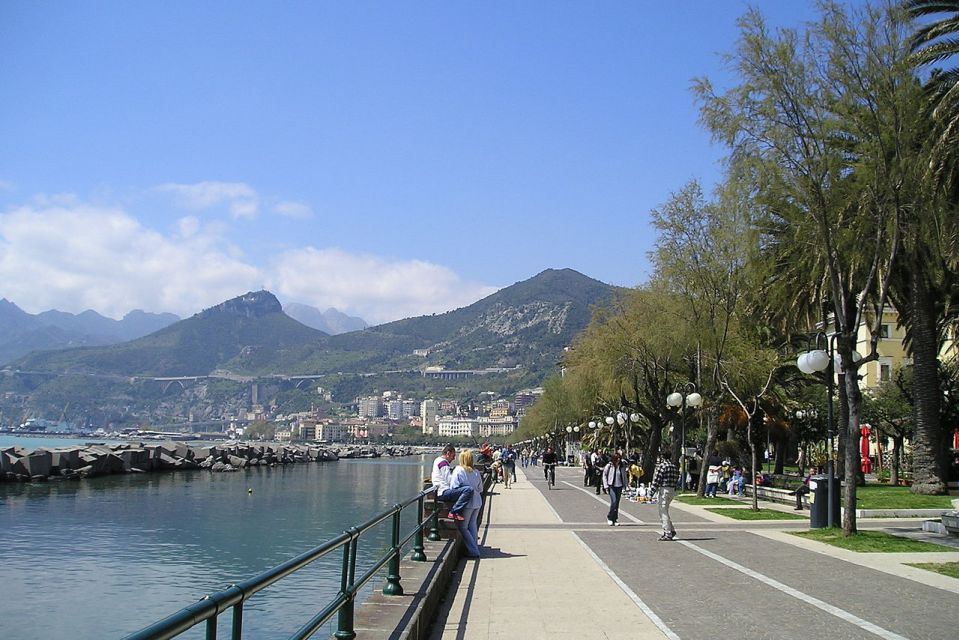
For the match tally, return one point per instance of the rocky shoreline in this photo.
(20, 464)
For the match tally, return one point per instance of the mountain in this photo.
(330, 321)
(524, 325)
(248, 333)
(22, 332)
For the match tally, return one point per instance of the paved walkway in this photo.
(552, 568)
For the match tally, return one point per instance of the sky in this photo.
(385, 159)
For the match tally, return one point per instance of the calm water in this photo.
(103, 557)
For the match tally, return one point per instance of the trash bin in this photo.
(819, 502)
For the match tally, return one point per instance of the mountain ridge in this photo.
(525, 324)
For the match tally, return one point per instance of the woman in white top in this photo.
(466, 475)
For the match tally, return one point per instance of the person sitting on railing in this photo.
(803, 490)
(458, 498)
(465, 476)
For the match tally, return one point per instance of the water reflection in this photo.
(106, 556)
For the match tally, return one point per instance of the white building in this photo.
(394, 409)
(371, 407)
(496, 425)
(449, 426)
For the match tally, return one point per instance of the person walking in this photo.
(714, 472)
(466, 476)
(509, 462)
(614, 479)
(663, 486)
(440, 477)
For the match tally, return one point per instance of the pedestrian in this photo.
(663, 486)
(714, 472)
(587, 468)
(440, 477)
(509, 461)
(467, 477)
(614, 479)
(693, 482)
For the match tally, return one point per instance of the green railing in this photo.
(209, 608)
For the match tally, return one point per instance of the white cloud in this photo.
(294, 210)
(373, 288)
(241, 199)
(58, 252)
(77, 256)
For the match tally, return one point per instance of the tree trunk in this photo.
(651, 452)
(842, 426)
(928, 459)
(894, 465)
(852, 459)
(712, 435)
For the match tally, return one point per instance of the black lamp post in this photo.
(823, 360)
(677, 400)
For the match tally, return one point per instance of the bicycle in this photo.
(551, 475)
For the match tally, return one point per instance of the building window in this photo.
(885, 372)
(885, 332)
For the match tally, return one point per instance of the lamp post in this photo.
(570, 450)
(680, 400)
(806, 416)
(814, 361)
(623, 419)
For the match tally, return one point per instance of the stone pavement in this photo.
(552, 568)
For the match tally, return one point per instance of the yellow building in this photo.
(890, 348)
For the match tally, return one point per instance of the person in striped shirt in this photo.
(663, 486)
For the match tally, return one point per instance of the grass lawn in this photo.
(692, 498)
(762, 514)
(871, 541)
(950, 569)
(880, 496)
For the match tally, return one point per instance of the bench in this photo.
(772, 494)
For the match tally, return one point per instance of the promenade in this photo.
(552, 568)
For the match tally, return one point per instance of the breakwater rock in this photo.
(18, 464)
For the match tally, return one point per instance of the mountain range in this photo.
(524, 325)
(22, 332)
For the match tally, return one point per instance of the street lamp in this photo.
(570, 430)
(815, 361)
(677, 400)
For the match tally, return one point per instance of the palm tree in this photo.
(934, 43)
(925, 290)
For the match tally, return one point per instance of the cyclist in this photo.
(549, 463)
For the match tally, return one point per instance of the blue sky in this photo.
(386, 159)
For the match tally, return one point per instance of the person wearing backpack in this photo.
(614, 479)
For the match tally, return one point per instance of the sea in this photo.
(103, 557)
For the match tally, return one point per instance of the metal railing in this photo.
(209, 608)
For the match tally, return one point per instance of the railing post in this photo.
(393, 586)
(419, 554)
(211, 628)
(344, 617)
(237, 620)
(435, 521)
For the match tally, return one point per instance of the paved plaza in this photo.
(552, 568)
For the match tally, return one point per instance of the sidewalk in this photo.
(534, 581)
(546, 573)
